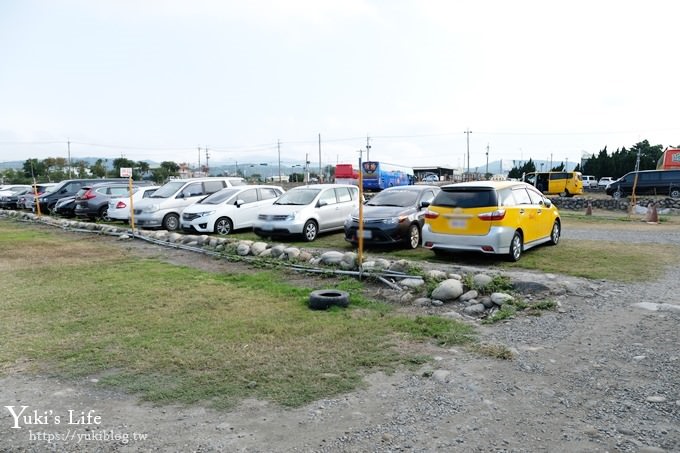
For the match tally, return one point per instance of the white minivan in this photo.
(164, 207)
(589, 181)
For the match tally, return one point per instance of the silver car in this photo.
(308, 210)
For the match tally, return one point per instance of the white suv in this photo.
(589, 181)
(605, 181)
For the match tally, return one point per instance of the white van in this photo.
(589, 182)
(164, 207)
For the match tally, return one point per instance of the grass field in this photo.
(75, 307)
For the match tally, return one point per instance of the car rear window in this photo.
(466, 197)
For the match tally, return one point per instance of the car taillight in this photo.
(120, 205)
(493, 215)
(431, 215)
(87, 195)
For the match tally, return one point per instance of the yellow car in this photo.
(502, 217)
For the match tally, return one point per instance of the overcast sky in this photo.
(156, 79)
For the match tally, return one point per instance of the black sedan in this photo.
(394, 216)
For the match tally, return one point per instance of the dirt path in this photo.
(601, 375)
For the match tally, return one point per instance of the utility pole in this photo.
(550, 162)
(207, 159)
(199, 158)
(368, 148)
(68, 143)
(320, 176)
(306, 168)
(468, 132)
(487, 159)
(278, 148)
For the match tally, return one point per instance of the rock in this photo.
(292, 253)
(383, 263)
(474, 310)
(123, 237)
(203, 239)
(656, 399)
(436, 275)
(350, 258)
(481, 280)
(212, 243)
(448, 290)
(441, 376)
(257, 248)
(332, 258)
(400, 266)
(189, 238)
(437, 303)
(163, 235)
(277, 250)
(452, 315)
(264, 254)
(412, 282)
(304, 256)
(500, 298)
(243, 249)
(422, 301)
(472, 294)
(486, 301)
(456, 276)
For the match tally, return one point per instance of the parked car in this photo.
(308, 210)
(229, 209)
(165, 206)
(26, 201)
(11, 198)
(501, 217)
(10, 189)
(430, 177)
(119, 207)
(68, 188)
(589, 182)
(648, 182)
(65, 207)
(605, 181)
(92, 201)
(394, 216)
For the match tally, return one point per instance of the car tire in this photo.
(516, 247)
(223, 226)
(310, 231)
(555, 233)
(171, 222)
(413, 237)
(103, 213)
(675, 192)
(618, 194)
(325, 298)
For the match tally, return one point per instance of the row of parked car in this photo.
(500, 217)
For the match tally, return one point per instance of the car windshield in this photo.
(47, 189)
(168, 189)
(219, 197)
(81, 192)
(466, 198)
(298, 196)
(401, 198)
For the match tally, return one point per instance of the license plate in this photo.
(368, 234)
(267, 226)
(458, 223)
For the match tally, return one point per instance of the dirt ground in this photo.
(601, 374)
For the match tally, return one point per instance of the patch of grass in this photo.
(496, 351)
(177, 334)
(619, 261)
(506, 311)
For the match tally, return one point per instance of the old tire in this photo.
(675, 192)
(516, 247)
(618, 194)
(171, 222)
(413, 237)
(324, 298)
(223, 226)
(310, 230)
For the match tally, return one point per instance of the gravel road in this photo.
(600, 375)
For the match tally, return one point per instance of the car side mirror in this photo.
(424, 204)
(62, 191)
(322, 203)
(180, 195)
(547, 203)
(239, 202)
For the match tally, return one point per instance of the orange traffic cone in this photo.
(589, 209)
(652, 214)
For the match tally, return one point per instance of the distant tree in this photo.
(34, 167)
(143, 167)
(559, 167)
(518, 171)
(166, 169)
(98, 169)
(577, 167)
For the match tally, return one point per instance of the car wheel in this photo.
(324, 298)
(413, 238)
(310, 231)
(516, 247)
(675, 192)
(555, 233)
(618, 194)
(564, 193)
(223, 226)
(171, 222)
(103, 213)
